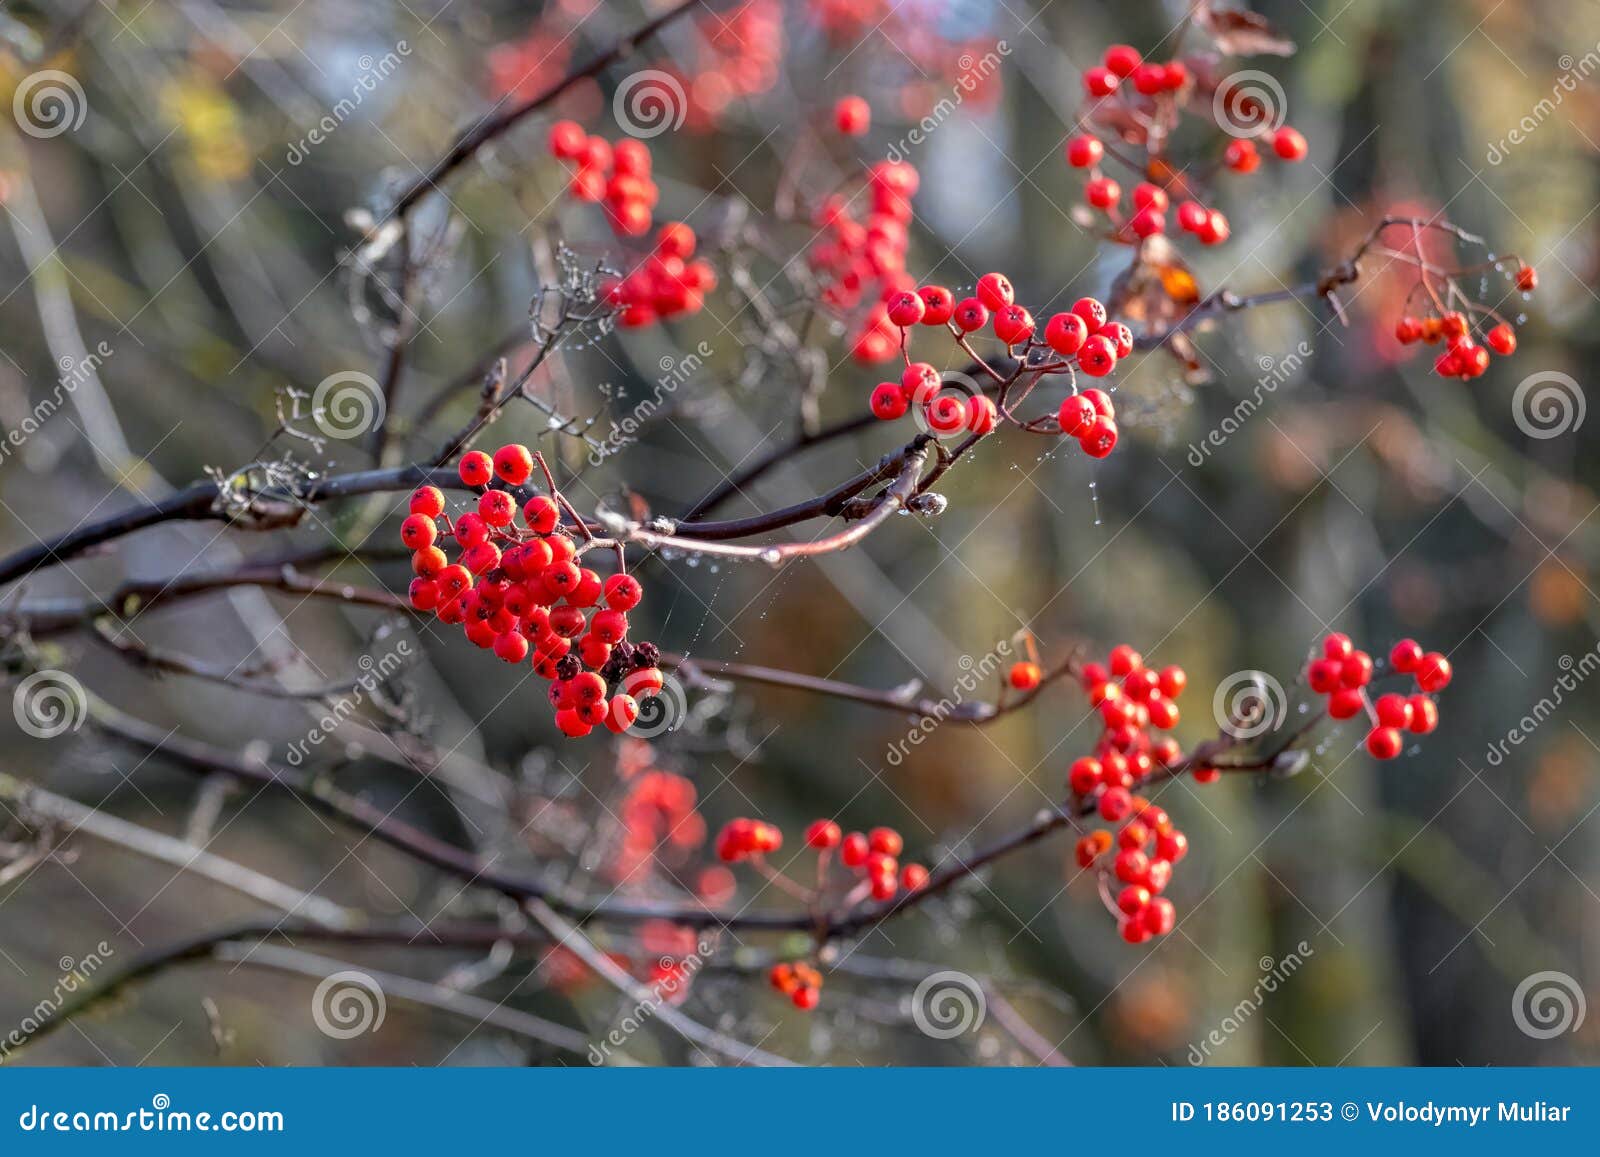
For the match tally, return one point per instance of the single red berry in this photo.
(995, 291)
(1133, 898)
(1147, 222)
(1115, 804)
(1122, 59)
(1392, 710)
(1024, 676)
(1337, 646)
(1100, 81)
(906, 308)
(1384, 742)
(1527, 279)
(541, 514)
(1084, 152)
(1241, 156)
(806, 997)
(1065, 333)
(1085, 775)
(982, 414)
(1121, 338)
(1101, 438)
(428, 500)
(938, 303)
(497, 508)
(823, 834)
(1502, 339)
(1148, 196)
(1345, 703)
(1091, 311)
(1433, 672)
(1013, 324)
(513, 464)
(1102, 193)
(945, 414)
(1356, 671)
(888, 402)
(1289, 144)
(567, 140)
(913, 876)
(886, 841)
(1192, 216)
(623, 592)
(853, 850)
(852, 116)
(418, 531)
(1098, 357)
(970, 315)
(1405, 655)
(1424, 714)
(1160, 917)
(1132, 866)
(476, 468)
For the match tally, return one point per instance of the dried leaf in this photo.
(1240, 32)
(1156, 292)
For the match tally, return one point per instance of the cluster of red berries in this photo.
(616, 174)
(738, 56)
(657, 814)
(856, 260)
(666, 284)
(799, 981)
(1132, 700)
(1082, 339)
(1125, 85)
(1343, 673)
(1147, 847)
(1464, 356)
(520, 591)
(873, 856)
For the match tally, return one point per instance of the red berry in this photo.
(1407, 330)
(1085, 775)
(1424, 714)
(623, 592)
(418, 531)
(994, 290)
(938, 303)
(913, 876)
(906, 308)
(1160, 917)
(1065, 333)
(1433, 672)
(886, 841)
(497, 508)
(1133, 898)
(1084, 152)
(1405, 655)
(888, 402)
(1337, 646)
(1122, 59)
(567, 140)
(852, 116)
(1392, 710)
(1098, 357)
(1384, 742)
(1100, 81)
(1289, 144)
(1192, 216)
(513, 464)
(1502, 339)
(541, 514)
(823, 834)
(1241, 156)
(1115, 804)
(1102, 193)
(1013, 324)
(1101, 438)
(970, 315)
(982, 414)
(476, 468)
(1091, 311)
(853, 850)
(1132, 866)
(1076, 416)
(1345, 703)
(1527, 279)
(428, 500)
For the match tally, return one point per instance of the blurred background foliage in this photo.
(1365, 494)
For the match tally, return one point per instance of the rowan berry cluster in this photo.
(1081, 339)
(739, 55)
(1343, 674)
(799, 981)
(856, 260)
(657, 814)
(1470, 335)
(665, 284)
(521, 592)
(1137, 102)
(617, 175)
(1137, 861)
